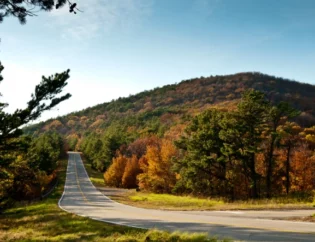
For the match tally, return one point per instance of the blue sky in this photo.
(121, 47)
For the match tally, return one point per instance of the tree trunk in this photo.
(253, 176)
(270, 167)
(287, 172)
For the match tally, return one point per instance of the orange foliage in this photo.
(113, 175)
(132, 169)
(157, 176)
(303, 169)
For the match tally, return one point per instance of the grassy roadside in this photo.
(304, 219)
(45, 221)
(96, 177)
(172, 202)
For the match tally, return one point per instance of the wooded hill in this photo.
(214, 136)
(155, 111)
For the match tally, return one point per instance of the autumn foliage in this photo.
(132, 169)
(158, 175)
(114, 174)
(247, 135)
(152, 171)
(254, 151)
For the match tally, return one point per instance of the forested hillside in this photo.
(246, 135)
(156, 110)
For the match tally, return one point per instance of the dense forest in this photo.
(30, 171)
(28, 164)
(240, 136)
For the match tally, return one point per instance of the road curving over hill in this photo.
(82, 198)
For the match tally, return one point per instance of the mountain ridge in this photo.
(175, 102)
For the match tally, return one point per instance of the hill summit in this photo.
(159, 109)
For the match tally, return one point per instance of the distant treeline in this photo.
(253, 151)
(161, 107)
(193, 137)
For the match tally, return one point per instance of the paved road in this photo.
(82, 198)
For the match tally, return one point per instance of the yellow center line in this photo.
(78, 182)
(181, 220)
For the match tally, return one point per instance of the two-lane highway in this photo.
(82, 198)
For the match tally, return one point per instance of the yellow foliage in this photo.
(113, 175)
(132, 169)
(157, 174)
(310, 137)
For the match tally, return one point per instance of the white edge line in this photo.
(116, 223)
(81, 215)
(121, 204)
(125, 205)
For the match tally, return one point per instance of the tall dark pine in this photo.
(243, 134)
(203, 159)
(44, 98)
(276, 114)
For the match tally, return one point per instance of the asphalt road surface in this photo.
(82, 198)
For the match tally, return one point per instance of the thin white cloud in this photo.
(206, 7)
(102, 16)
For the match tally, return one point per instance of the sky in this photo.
(117, 48)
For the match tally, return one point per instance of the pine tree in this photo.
(276, 114)
(25, 8)
(243, 135)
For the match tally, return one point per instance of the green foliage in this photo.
(100, 149)
(29, 173)
(276, 114)
(203, 167)
(45, 151)
(221, 149)
(24, 8)
(72, 142)
(242, 139)
(17, 173)
(233, 151)
(44, 98)
(144, 111)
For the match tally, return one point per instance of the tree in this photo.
(28, 8)
(114, 174)
(132, 170)
(303, 169)
(276, 114)
(158, 175)
(45, 151)
(242, 134)
(45, 97)
(203, 167)
(289, 133)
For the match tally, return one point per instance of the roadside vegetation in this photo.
(173, 202)
(28, 172)
(28, 163)
(255, 152)
(96, 177)
(190, 203)
(45, 221)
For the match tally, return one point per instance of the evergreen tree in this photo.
(203, 168)
(243, 135)
(45, 97)
(276, 114)
(25, 8)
